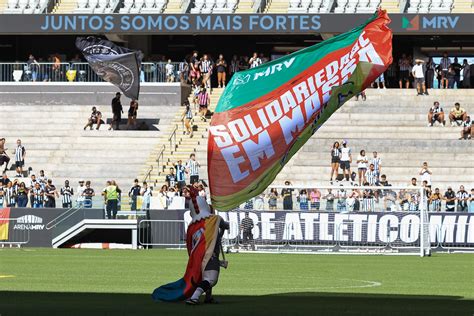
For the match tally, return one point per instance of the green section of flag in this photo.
(406, 23)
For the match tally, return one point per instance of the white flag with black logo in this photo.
(117, 65)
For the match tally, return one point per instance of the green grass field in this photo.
(119, 282)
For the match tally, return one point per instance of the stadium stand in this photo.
(24, 6)
(398, 132)
(65, 151)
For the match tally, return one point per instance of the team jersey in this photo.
(67, 193)
(20, 153)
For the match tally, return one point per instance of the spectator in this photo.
(192, 167)
(67, 192)
(435, 201)
(471, 201)
(246, 226)
(255, 61)
(111, 194)
(50, 194)
(163, 197)
(170, 178)
(467, 131)
(183, 71)
(436, 114)
(42, 179)
(287, 194)
(346, 160)
(466, 74)
(404, 71)
(413, 182)
(20, 154)
(444, 67)
(37, 194)
(32, 184)
(22, 195)
(341, 200)
(205, 68)
(117, 111)
(418, 74)
(180, 174)
(204, 101)
(5, 180)
(88, 193)
(425, 173)
(429, 73)
(335, 159)
(454, 74)
(134, 192)
(315, 198)
(10, 195)
(258, 202)
(187, 118)
(4, 159)
(146, 193)
(169, 68)
(95, 118)
(80, 194)
(377, 162)
(303, 200)
(329, 197)
(362, 166)
(234, 65)
(32, 68)
(457, 115)
(56, 67)
(272, 199)
(413, 201)
(372, 175)
(450, 198)
(132, 114)
(194, 72)
(368, 201)
(362, 93)
(462, 197)
(380, 82)
(221, 71)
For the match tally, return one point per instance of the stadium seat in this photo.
(198, 5)
(294, 3)
(149, 7)
(101, 6)
(341, 5)
(209, 5)
(42, 5)
(326, 6)
(137, 6)
(315, 5)
(127, 5)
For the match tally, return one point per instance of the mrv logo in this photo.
(271, 70)
(29, 222)
(432, 22)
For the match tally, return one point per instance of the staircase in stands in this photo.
(175, 145)
(65, 6)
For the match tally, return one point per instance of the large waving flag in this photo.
(115, 64)
(4, 223)
(267, 113)
(201, 238)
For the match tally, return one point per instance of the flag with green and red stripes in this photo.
(267, 113)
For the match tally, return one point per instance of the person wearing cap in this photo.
(95, 118)
(418, 73)
(117, 111)
(80, 191)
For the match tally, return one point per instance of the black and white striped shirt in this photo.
(436, 110)
(205, 66)
(255, 62)
(10, 196)
(461, 195)
(377, 162)
(193, 167)
(371, 177)
(67, 193)
(20, 153)
(38, 196)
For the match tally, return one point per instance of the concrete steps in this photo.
(244, 6)
(65, 6)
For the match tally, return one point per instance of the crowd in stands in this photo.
(457, 117)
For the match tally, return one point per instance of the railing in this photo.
(148, 174)
(173, 139)
(17, 235)
(75, 72)
(160, 159)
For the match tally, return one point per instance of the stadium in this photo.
(288, 157)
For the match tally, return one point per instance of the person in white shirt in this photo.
(362, 166)
(146, 193)
(346, 160)
(169, 71)
(418, 73)
(80, 197)
(255, 61)
(425, 173)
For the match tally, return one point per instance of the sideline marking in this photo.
(367, 284)
(6, 276)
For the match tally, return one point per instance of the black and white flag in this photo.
(117, 65)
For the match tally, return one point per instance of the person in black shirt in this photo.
(171, 178)
(95, 118)
(133, 194)
(117, 110)
(132, 114)
(88, 193)
(221, 66)
(450, 198)
(246, 226)
(454, 74)
(50, 194)
(287, 194)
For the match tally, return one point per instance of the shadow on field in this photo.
(52, 303)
